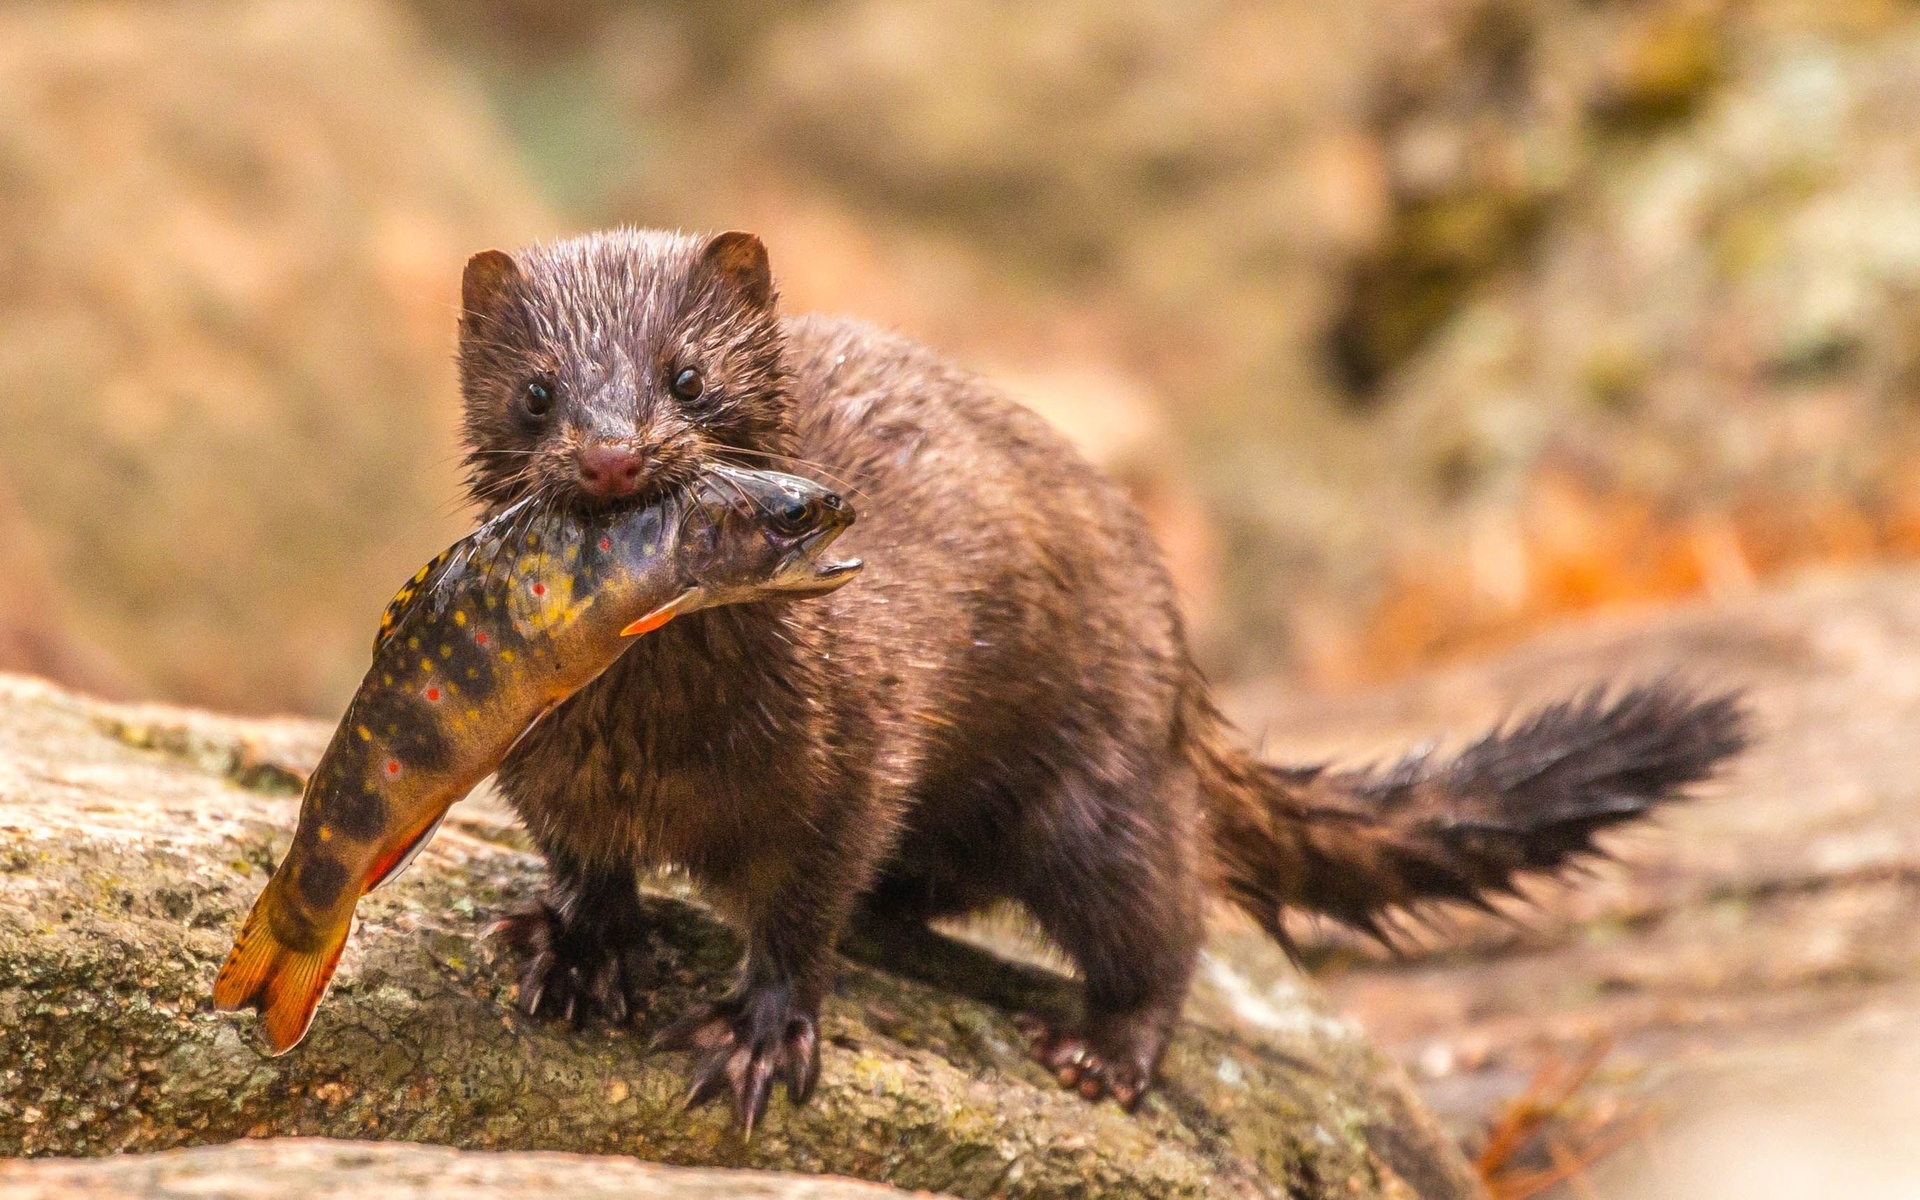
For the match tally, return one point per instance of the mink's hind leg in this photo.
(583, 949)
(1114, 883)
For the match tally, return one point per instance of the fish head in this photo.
(763, 534)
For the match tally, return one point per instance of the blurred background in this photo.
(1417, 326)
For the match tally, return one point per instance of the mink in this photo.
(1004, 708)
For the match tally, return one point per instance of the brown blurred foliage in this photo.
(230, 238)
(1573, 545)
(1468, 314)
(33, 633)
(1414, 323)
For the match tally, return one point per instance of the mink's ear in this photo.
(739, 260)
(488, 287)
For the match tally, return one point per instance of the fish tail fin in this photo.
(283, 984)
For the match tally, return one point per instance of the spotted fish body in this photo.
(486, 638)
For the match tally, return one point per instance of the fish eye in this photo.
(536, 399)
(688, 385)
(791, 514)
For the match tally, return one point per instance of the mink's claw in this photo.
(803, 1062)
(708, 1082)
(608, 990)
(572, 972)
(745, 1044)
(753, 1090)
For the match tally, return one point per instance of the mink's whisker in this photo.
(837, 480)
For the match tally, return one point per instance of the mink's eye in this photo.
(688, 385)
(537, 397)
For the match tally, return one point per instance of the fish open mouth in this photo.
(807, 574)
(832, 574)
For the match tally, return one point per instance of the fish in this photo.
(482, 642)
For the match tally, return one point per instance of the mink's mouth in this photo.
(664, 487)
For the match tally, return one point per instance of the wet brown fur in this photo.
(1002, 708)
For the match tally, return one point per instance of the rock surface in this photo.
(317, 1167)
(132, 840)
(1756, 946)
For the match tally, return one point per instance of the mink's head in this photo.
(616, 364)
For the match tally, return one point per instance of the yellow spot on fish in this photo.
(473, 714)
(459, 617)
(413, 643)
(366, 735)
(506, 656)
(446, 652)
(326, 835)
(420, 576)
(387, 679)
(647, 549)
(426, 664)
(473, 673)
(545, 602)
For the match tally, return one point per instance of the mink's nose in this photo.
(608, 471)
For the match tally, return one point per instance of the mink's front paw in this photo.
(746, 1042)
(579, 969)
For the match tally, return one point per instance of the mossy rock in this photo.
(127, 858)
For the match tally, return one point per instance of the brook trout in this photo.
(483, 642)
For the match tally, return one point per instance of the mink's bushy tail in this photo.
(1530, 797)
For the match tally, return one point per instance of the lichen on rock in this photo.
(123, 872)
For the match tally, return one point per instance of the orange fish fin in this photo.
(648, 623)
(659, 616)
(284, 985)
(396, 861)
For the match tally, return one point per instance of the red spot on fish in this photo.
(481, 637)
(539, 589)
(433, 694)
(393, 766)
(606, 544)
